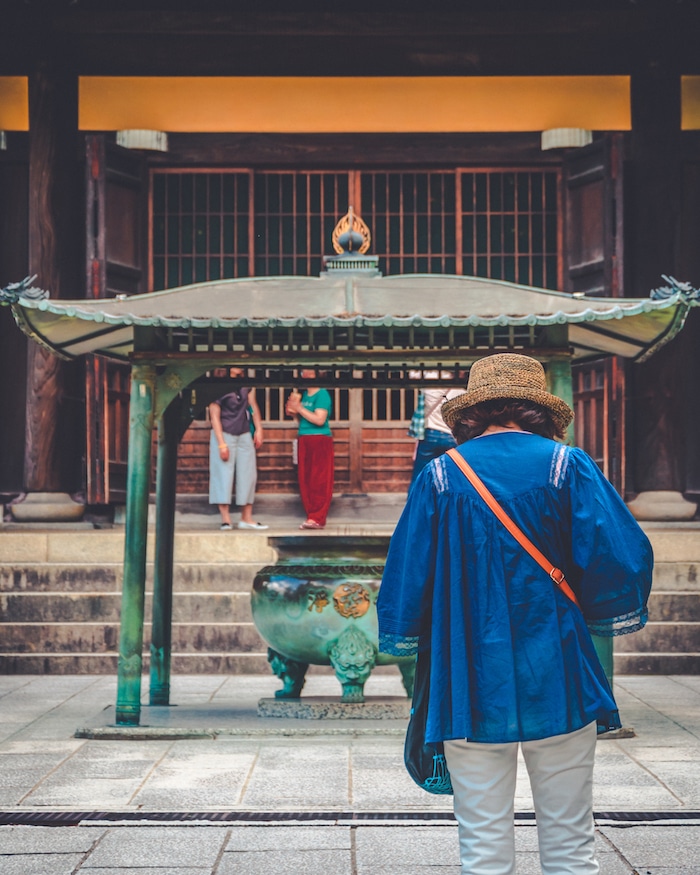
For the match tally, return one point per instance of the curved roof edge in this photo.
(632, 327)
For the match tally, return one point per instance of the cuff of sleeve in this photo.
(622, 625)
(397, 645)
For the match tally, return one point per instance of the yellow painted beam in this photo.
(268, 104)
(355, 104)
(14, 103)
(690, 103)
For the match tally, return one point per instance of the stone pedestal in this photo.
(44, 507)
(332, 708)
(662, 505)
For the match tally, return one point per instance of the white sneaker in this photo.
(258, 526)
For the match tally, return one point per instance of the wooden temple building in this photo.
(172, 174)
(157, 145)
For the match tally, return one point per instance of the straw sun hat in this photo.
(507, 375)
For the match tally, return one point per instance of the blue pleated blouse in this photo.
(511, 655)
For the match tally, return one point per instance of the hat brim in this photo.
(559, 410)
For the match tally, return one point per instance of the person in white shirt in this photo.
(438, 437)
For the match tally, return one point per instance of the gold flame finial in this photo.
(351, 234)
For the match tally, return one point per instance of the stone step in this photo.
(256, 663)
(106, 547)
(87, 607)
(656, 663)
(60, 601)
(54, 577)
(675, 580)
(187, 577)
(661, 638)
(106, 663)
(229, 576)
(227, 607)
(679, 543)
(679, 576)
(666, 606)
(104, 637)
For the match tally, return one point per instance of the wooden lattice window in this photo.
(295, 214)
(503, 224)
(271, 400)
(378, 405)
(510, 226)
(412, 217)
(200, 227)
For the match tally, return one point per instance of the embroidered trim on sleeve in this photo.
(397, 645)
(622, 625)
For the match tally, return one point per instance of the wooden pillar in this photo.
(166, 493)
(141, 414)
(53, 454)
(652, 246)
(355, 416)
(14, 188)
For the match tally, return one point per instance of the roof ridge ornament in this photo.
(23, 289)
(351, 234)
(351, 239)
(676, 287)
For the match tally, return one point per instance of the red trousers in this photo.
(316, 469)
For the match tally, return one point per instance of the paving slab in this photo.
(42, 864)
(301, 862)
(302, 795)
(158, 846)
(355, 849)
(657, 849)
(35, 839)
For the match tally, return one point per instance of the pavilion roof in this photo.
(630, 327)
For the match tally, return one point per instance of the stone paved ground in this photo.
(254, 795)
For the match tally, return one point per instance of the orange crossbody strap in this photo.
(556, 574)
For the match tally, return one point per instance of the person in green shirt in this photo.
(312, 410)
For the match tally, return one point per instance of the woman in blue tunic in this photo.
(512, 663)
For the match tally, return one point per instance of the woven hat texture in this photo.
(507, 375)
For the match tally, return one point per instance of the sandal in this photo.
(311, 524)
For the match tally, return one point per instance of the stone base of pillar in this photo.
(661, 505)
(45, 507)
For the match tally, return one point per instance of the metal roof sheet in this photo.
(631, 327)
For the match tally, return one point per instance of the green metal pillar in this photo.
(560, 382)
(604, 649)
(166, 491)
(141, 413)
(559, 379)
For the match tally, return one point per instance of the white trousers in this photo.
(561, 776)
(240, 462)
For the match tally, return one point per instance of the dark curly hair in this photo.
(502, 411)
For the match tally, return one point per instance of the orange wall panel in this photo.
(269, 104)
(355, 104)
(14, 103)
